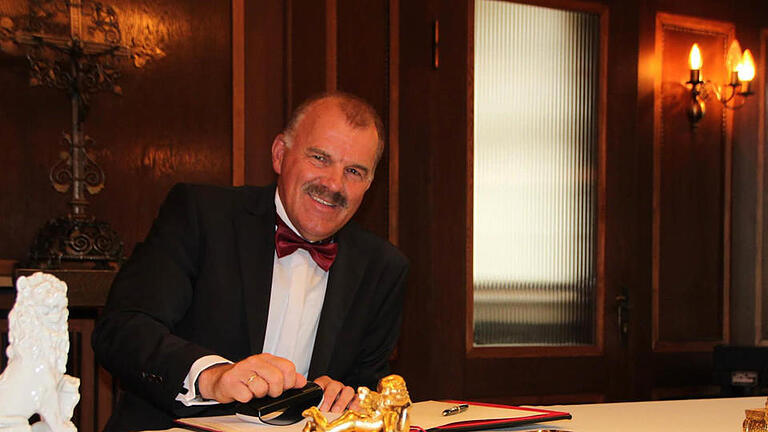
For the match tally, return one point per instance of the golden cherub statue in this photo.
(385, 411)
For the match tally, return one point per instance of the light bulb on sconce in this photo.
(746, 72)
(694, 58)
(697, 108)
(741, 70)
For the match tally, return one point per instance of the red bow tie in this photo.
(287, 241)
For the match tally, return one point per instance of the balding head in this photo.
(358, 113)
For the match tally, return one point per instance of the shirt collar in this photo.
(283, 215)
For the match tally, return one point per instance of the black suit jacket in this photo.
(200, 284)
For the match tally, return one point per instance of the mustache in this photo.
(325, 194)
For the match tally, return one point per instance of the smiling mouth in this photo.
(322, 201)
(323, 195)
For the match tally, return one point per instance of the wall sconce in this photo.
(741, 68)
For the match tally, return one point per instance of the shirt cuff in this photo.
(191, 398)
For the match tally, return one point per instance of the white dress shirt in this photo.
(295, 302)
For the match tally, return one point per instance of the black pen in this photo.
(455, 409)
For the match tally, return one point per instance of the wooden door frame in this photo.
(762, 140)
(544, 351)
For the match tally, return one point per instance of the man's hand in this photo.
(256, 376)
(336, 396)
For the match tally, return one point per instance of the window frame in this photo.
(528, 351)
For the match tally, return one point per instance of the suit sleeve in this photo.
(384, 329)
(133, 337)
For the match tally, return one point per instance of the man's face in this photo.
(325, 172)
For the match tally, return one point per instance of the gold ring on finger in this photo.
(251, 378)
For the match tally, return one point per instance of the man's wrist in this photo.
(197, 390)
(197, 373)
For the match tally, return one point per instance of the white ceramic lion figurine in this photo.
(34, 380)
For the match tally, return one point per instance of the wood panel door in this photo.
(663, 220)
(437, 352)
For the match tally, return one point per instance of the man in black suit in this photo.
(244, 292)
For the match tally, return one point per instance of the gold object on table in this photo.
(757, 420)
(384, 411)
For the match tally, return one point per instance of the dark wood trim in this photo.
(81, 354)
(393, 199)
(470, 191)
(695, 25)
(762, 68)
(727, 217)
(598, 348)
(288, 60)
(331, 45)
(106, 395)
(656, 185)
(6, 272)
(6, 267)
(602, 196)
(238, 92)
(695, 346)
(530, 351)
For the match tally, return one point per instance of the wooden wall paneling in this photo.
(307, 62)
(82, 364)
(105, 396)
(761, 283)
(331, 44)
(363, 69)
(627, 165)
(265, 86)
(748, 20)
(266, 65)
(432, 131)
(691, 200)
(393, 127)
(162, 130)
(469, 192)
(238, 92)
(30, 131)
(447, 125)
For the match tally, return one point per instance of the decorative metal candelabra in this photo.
(82, 62)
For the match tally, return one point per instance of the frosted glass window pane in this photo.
(535, 143)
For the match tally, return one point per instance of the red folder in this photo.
(518, 416)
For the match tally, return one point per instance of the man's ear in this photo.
(279, 147)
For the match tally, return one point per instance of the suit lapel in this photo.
(254, 230)
(343, 280)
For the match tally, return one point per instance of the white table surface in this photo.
(695, 415)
